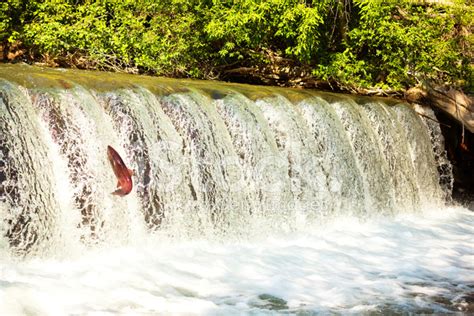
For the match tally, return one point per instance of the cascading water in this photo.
(215, 162)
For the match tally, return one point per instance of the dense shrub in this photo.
(354, 43)
(394, 44)
(156, 36)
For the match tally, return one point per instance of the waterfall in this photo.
(210, 159)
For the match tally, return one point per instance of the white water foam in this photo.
(407, 263)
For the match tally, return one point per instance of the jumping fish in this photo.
(123, 174)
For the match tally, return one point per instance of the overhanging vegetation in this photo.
(353, 45)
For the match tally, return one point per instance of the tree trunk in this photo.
(451, 101)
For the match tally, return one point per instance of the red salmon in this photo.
(123, 174)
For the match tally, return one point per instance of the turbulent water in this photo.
(246, 199)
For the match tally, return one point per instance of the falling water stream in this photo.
(246, 199)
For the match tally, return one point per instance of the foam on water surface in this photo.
(409, 263)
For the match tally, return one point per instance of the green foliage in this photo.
(150, 35)
(248, 27)
(14, 14)
(355, 43)
(394, 44)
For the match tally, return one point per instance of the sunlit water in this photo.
(409, 263)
